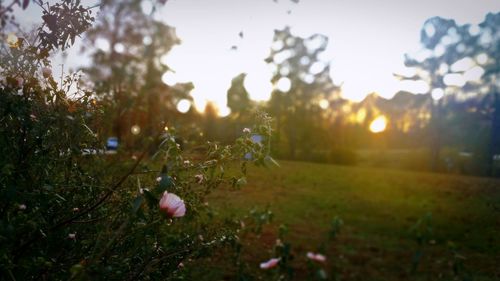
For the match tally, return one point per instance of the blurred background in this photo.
(399, 84)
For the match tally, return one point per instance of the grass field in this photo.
(378, 208)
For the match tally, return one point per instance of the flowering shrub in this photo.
(69, 214)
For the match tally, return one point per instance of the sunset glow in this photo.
(379, 54)
(378, 125)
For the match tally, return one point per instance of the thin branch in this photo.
(89, 209)
(7, 8)
(103, 198)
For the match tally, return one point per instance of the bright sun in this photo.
(379, 124)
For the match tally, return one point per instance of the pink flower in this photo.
(172, 205)
(20, 82)
(46, 72)
(316, 257)
(270, 263)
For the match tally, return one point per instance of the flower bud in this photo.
(46, 72)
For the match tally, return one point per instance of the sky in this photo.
(367, 41)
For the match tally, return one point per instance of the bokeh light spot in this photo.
(183, 106)
(135, 130)
(378, 125)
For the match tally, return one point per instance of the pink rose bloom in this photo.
(172, 205)
(316, 257)
(270, 263)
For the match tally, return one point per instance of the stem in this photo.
(23, 247)
(103, 198)
(7, 8)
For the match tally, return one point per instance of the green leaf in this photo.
(137, 203)
(165, 183)
(150, 199)
(241, 182)
(76, 270)
(322, 274)
(269, 161)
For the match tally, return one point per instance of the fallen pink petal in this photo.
(270, 263)
(316, 257)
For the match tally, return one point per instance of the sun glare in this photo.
(324, 104)
(378, 125)
(224, 111)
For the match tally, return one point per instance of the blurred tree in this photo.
(210, 122)
(238, 99)
(445, 43)
(303, 90)
(432, 70)
(242, 109)
(453, 62)
(127, 43)
(490, 50)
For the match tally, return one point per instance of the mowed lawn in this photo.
(378, 208)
